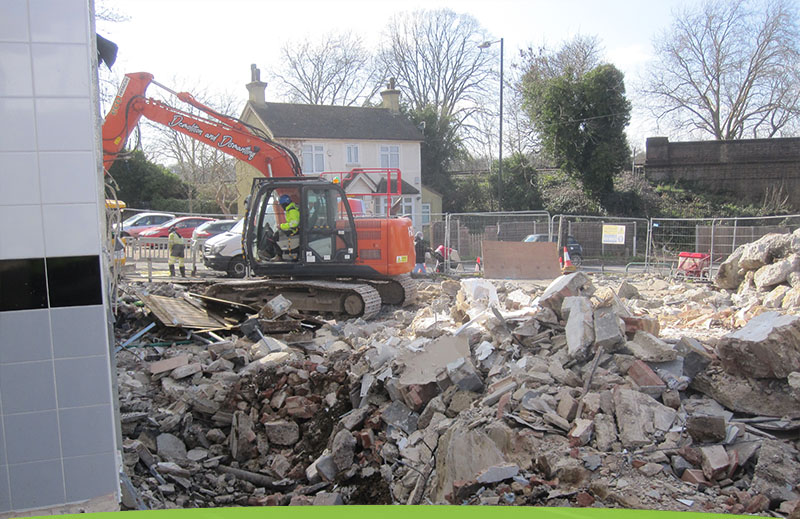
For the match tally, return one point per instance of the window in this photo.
(426, 214)
(352, 154)
(313, 158)
(390, 156)
(404, 206)
(407, 205)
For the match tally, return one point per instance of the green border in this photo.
(401, 512)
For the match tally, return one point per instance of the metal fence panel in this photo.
(717, 237)
(465, 232)
(588, 231)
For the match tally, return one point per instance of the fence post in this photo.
(711, 254)
(647, 247)
(634, 238)
(602, 242)
(560, 228)
(733, 241)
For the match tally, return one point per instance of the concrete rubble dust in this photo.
(637, 392)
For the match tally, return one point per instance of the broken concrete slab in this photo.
(399, 415)
(767, 347)
(165, 365)
(746, 395)
(609, 330)
(777, 472)
(580, 325)
(640, 417)
(462, 453)
(706, 429)
(284, 432)
(343, 449)
(498, 473)
(649, 348)
(171, 447)
(464, 375)
(576, 284)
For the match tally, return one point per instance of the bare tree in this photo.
(199, 165)
(334, 70)
(435, 58)
(729, 70)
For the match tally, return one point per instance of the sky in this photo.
(212, 43)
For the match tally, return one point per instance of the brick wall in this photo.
(747, 168)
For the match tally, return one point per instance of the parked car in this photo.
(185, 225)
(209, 229)
(224, 252)
(139, 222)
(573, 247)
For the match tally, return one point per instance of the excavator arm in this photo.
(228, 134)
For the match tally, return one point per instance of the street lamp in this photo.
(486, 45)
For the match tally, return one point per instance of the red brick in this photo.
(638, 463)
(300, 407)
(715, 461)
(643, 375)
(366, 438)
(584, 499)
(502, 404)
(647, 324)
(758, 503)
(694, 476)
(301, 501)
(417, 396)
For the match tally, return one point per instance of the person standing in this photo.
(177, 250)
(420, 248)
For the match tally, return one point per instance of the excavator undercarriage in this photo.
(343, 297)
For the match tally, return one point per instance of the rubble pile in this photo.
(766, 271)
(486, 393)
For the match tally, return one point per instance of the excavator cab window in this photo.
(330, 231)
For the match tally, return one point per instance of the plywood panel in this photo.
(520, 260)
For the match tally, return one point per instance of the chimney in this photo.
(256, 87)
(391, 97)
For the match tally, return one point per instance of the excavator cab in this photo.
(326, 234)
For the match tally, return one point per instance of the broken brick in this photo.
(641, 373)
(715, 461)
(694, 476)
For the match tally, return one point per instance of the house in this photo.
(330, 139)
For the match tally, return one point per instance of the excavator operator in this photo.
(292, 213)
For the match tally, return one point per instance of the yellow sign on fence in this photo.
(614, 234)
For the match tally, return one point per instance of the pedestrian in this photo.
(177, 250)
(420, 248)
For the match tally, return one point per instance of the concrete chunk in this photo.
(580, 325)
(767, 347)
(649, 348)
(168, 364)
(777, 471)
(282, 432)
(498, 473)
(186, 371)
(463, 374)
(706, 429)
(576, 284)
(609, 331)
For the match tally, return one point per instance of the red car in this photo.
(185, 226)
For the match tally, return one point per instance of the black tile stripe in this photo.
(22, 284)
(74, 281)
(28, 284)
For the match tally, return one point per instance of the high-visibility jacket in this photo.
(292, 224)
(175, 245)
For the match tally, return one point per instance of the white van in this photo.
(224, 252)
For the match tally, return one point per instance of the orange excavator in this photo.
(329, 261)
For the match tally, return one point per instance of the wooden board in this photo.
(181, 313)
(520, 260)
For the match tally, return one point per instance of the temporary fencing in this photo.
(465, 232)
(603, 237)
(715, 237)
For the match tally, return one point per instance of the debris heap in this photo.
(488, 393)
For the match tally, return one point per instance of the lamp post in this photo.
(486, 45)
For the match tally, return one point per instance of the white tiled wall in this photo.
(58, 433)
